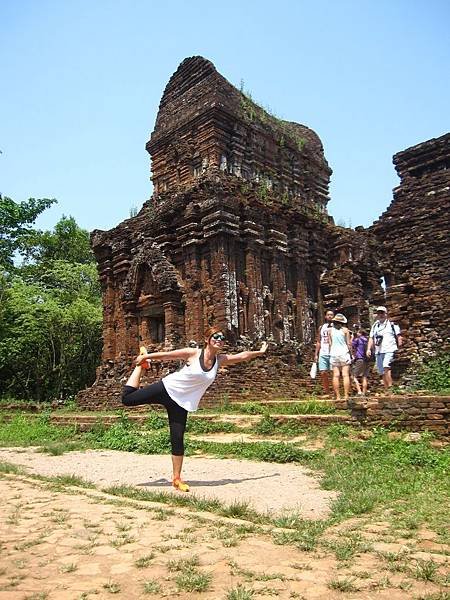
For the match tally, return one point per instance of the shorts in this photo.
(383, 361)
(361, 368)
(324, 362)
(340, 361)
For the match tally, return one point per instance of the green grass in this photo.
(369, 474)
(240, 593)
(345, 584)
(425, 570)
(23, 430)
(6, 467)
(193, 581)
(183, 564)
(65, 480)
(152, 587)
(434, 375)
(144, 561)
(347, 547)
(309, 406)
(189, 578)
(206, 426)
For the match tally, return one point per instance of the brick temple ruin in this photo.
(415, 257)
(237, 234)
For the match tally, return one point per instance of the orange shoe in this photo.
(145, 364)
(180, 485)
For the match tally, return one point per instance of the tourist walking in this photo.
(340, 355)
(180, 392)
(385, 337)
(322, 353)
(361, 363)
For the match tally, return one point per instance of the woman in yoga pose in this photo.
(180, 392)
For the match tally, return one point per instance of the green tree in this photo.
(50, 308)
(66, 242)
(49, 345)
(15, 221)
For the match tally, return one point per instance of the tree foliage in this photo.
(16, 219)
(50, 314)
(66, 242)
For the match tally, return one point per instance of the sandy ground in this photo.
(82, 544)
(267, 487)
(85, 545)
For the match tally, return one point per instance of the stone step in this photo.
(86, 422)
(238, 419)
(249, 438)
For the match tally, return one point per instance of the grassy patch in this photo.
(193, 581)
(23, 430)
(425, 570)
(205, 426)
(6, 467)
(261, 451)
(303, 537)
(183, 564)
(435, 375)
(65, 480)
(377, 471)
(144, 561)
(151, 587)
(345, 584)
(189, 578)
(240, 593)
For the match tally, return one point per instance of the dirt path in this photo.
(267, 487)
(82, 544)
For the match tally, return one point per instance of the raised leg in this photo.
(135, 377)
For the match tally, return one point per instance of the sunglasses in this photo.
(219, 337)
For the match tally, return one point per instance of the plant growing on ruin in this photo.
(435, 374)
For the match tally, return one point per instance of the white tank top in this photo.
(187, 386)
(324, 340)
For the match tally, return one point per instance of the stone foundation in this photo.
(414, 413)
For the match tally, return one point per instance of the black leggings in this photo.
(156, 394)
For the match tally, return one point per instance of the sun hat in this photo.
(381, 309)
(339, 318)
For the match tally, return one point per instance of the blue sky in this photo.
(82, 81)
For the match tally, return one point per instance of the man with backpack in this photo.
(385, 338)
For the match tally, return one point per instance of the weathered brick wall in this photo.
(412, 412)
(414, 236)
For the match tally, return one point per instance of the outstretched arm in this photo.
(181, 354)
(232, 359)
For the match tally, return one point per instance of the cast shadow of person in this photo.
(205, 483)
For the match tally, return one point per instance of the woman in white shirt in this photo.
(181, 392)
